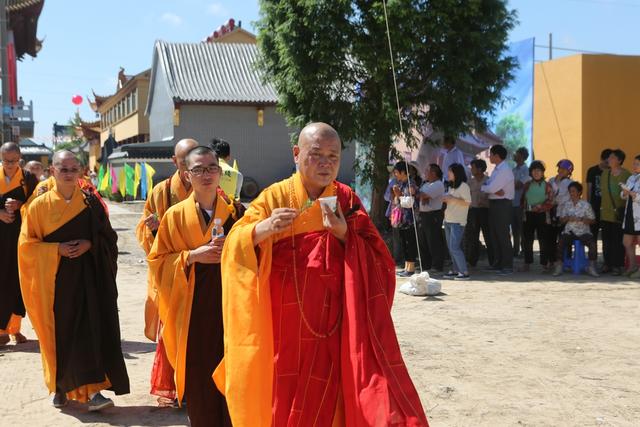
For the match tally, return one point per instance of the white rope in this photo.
(395, 87)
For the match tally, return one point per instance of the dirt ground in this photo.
(526, 350)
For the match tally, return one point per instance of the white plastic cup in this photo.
(331, 202)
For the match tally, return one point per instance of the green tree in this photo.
(512, 130)
(329, 61)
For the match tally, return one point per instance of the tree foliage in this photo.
(329, 61)
(512, 129)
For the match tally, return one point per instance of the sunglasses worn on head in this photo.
(201, 170)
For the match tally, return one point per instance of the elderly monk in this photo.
(164, 195)
(185, 264)
(307, 295)
(67, 258)
(16, 185)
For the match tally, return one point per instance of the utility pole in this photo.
(4, 63)
(550, 46)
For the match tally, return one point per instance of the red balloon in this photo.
(77, 100)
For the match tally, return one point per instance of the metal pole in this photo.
(4, 63)
(550, 46)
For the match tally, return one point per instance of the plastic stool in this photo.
(579, 262)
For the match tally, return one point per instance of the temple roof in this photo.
(23, 21)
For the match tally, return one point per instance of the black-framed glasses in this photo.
(11, 162)
(209, 170)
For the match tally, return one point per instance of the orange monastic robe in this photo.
(19, 187)
(164, 195)
(182, 229)
(40, 269)
(309, 338)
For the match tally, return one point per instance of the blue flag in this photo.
(143, 181)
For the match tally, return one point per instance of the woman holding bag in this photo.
(402, 216)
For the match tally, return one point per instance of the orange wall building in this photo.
(584, 104)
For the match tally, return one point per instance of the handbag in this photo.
(619, 212)
(396, 217)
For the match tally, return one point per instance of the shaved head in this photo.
(9, 147)
(317, 131)
(180, 151)
(317, 156)
(198, 151)
(62, 155)
(184, 146)
(35, 167)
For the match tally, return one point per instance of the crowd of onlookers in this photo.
(439, 213)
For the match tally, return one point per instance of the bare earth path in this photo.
(523, 351)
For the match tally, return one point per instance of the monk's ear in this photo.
(187, 176)
(296, 153)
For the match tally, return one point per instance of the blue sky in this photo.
(87, 41)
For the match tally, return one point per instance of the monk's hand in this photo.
(78, 248)
(280, 219)
(6, 216)
(218, 244)
(334, 222)
(13, 205)
(42, 190)
(205, 254)
(152, 222)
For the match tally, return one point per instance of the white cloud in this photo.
(171, 19)
(217, 9)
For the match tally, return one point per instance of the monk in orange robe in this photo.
(185, 264)
(68, 262)
(164, 195)
(307, 295)
(16, 186)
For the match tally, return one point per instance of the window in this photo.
(134, 97)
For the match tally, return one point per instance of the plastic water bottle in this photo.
(217, 230)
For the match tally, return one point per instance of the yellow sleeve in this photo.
(245, 374)
(38, 265)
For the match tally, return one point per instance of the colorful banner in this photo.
(129, 177)
(136, 180)
(114, 181)
(513, 122)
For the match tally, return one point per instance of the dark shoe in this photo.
(461, 276)
(60, 400)
(449, 276)
(405, 273)
(505, 272)
(99, 402)
(616, 271)
(492, 269)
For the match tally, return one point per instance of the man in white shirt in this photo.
(431, 217)
(451, 154)
(521, 176)
(501, 190)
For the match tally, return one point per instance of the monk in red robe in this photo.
(16, 186)
(308, 287)
(165, 194)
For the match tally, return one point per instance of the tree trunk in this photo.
(380, 180)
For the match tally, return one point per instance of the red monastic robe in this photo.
(309, 338)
